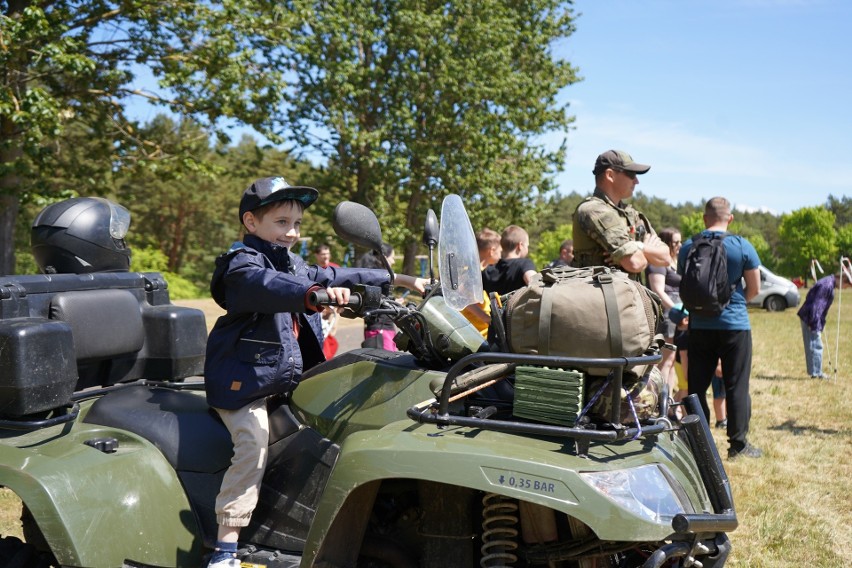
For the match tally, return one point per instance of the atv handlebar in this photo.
(319, 299)
(363, 300)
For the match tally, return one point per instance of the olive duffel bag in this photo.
(592, 312)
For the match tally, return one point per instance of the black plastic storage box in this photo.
(38, 371)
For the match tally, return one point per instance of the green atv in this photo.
(417, 458)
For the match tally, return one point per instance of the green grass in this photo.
(795, 504)
(10, 513)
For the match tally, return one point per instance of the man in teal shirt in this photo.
(728, 335)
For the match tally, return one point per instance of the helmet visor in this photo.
(119, 219)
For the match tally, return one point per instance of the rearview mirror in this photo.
(430, 231)
(357, 224)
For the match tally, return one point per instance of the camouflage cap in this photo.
(618, 160)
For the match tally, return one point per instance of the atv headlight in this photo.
(645, 491)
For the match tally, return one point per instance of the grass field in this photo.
(795, 503)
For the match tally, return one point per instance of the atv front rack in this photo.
(443, 418)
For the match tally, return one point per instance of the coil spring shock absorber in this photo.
(499, 531)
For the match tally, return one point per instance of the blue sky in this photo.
(750, 99)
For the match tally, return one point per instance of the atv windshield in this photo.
(458, 256)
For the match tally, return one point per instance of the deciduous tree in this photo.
(546, 246)
(844, 240)
(186, 205)
(806, 234)
(65, 62)
(414, 99)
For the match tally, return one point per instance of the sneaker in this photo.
(722, 423)
(221, 559)
(748, 451)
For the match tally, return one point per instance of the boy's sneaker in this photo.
(221, 559)
(748, 451)
(722, 423)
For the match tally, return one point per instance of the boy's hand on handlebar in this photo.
(339, 296)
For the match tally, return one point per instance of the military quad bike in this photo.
(407, 459)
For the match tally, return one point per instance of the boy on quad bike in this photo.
(268, 337)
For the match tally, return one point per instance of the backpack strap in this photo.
(544, 319)
(612, 313)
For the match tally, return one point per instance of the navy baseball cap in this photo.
(271, 189)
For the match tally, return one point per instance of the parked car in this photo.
(776, 293)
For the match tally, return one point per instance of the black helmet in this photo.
(80, 235)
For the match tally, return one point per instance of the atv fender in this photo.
(101, 508)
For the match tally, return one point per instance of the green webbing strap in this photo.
(544, 320)
(612, 314)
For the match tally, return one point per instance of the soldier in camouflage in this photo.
(608, 231)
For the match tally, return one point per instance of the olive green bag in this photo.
(582, 312)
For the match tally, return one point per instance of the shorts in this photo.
(681, 377)
(718, 387)
(666, 326)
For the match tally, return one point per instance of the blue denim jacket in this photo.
(252, 351)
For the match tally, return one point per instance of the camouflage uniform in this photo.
(601, 226)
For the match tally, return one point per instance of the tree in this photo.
(177, 203)
(414, 99)
(558, 210)
(692, 224)
(186, 206)
(546, 247)
(842, 209)
(764, 253)
(762, 223)
(806, 234)
(844, 240)
(73, 64)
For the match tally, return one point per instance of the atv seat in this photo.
(181, 424)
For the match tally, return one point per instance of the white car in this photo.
(776, 293)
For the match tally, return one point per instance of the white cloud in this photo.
(688, 165)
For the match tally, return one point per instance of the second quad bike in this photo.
(417, 458)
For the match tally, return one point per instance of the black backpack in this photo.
(704, 287)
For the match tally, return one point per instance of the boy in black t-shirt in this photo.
(514, 269)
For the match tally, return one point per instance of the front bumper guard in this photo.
(713, 553)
